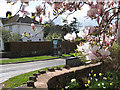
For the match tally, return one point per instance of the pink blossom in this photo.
(94, 49)
(98, 19)
(91, 56)
(104, 52)
(70, 37)
(100, 8)
(92, 29)
(92, 12)
(24, 13)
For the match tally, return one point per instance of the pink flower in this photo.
(104, 52)
(92, 29)
(94, 49)
(24, 13)
(92, 12)
(91, 56)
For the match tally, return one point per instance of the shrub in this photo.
(8, 36)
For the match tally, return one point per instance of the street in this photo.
(10, 70)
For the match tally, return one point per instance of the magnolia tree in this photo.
(98, 39)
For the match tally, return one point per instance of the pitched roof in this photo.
(16, 18)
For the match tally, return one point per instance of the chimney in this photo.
(33, 16)
(8, 14)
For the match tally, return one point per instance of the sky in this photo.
(80, 15)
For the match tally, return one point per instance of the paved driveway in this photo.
(10, 70)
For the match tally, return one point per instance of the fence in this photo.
(20, 49)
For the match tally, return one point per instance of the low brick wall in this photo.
(59, 78)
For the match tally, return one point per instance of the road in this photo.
(10, 70)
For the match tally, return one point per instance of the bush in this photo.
(115, 53)
(52, 36)
(8, 36)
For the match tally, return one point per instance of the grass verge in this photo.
(15, 60)
(22, 79)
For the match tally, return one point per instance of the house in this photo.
(19, 25)
(1, 40)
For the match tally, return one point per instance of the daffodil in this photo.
(100, 74)
(104, 78)
(24, 34)
(94, 75)
(89, 74)
(88, 81)
(91, 71)
(86, 85)
(111, 83)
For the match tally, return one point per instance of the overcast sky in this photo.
(80, 15)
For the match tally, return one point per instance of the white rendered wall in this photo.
(1, 40)
(20, 28)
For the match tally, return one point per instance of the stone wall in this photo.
(59, 78)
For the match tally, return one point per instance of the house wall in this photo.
(1, 40)
(20, 28)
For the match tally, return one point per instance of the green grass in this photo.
(33, 58)
(22, 79)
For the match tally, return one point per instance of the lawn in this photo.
(15, 60)
(22, 79)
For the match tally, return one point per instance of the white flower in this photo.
(104, 87)
(67, 36)
(80, 48)
(98, 84)
(70, 37)
(96, 79)
(87, 47)
(66, 87)
(83, 33)
(73, 80)
(103, 84)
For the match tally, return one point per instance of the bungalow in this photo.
(19, 25)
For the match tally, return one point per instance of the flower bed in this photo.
(59, 78)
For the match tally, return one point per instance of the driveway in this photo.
(10, 70)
